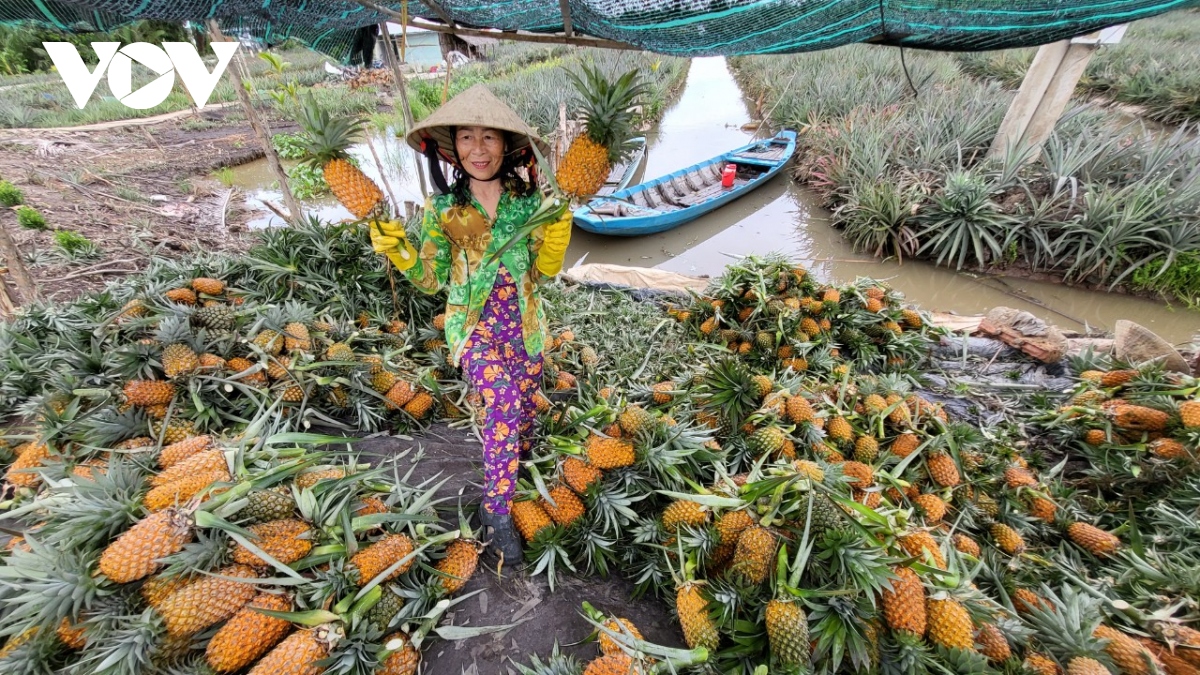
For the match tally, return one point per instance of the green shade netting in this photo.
(678, 27)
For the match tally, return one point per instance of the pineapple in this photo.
(381, 613)
(462, 555)
(911, 318)
(787, 632)
(299, 653)
(173, 431)
(1019, 476)
(295, 333)
(249, 634)
(404, 658)
(183, 296)
(579, 474)
(327, 140)
(207, 600)
(270, 341)
(179, 359)
(183, 490)
(904, 603)
(1189, 413)
(992, 643)
(662, 392)
(216, 317)
(766, 441)
(861, 475)
(306, 480)
(419, 406)
(1128, 655)
(799, 410)
(1138, 418)
(264, 506)
(1169, 449)
(146, 393)
(1081, 665)
(383, 381)
(839, 430)
(399, 394)
(1025, 601)
(683, 513)
(613, 664)
(1042, 508)
(284, 540)
(530, 519)
(634, 419)
(135, 554)
(609, 453)
(1117, 378)
(21, 471)
(917, 544)
(1093, 540)
(201, 462)
(618, 625)
(208, 285)
(965, 544)
(931, 506)
(378, 557)
(1040, 664)
(949, 624)
(905, 445)
(866, 449)
(182, 450)
(566, 508)
(755, 554)
(255, 379)
(608, 119)
(1009, 540)
(698, 627)
(942, 469)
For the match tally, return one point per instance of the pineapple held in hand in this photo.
(328, 138)
(606, 108)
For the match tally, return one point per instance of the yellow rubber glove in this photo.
(554, 246)
(388, 238)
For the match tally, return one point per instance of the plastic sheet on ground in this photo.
(635, 277)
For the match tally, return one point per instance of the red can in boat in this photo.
(728, 175)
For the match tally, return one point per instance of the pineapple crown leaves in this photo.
(86, 514)
(1067, 625)
(838, 625)
(605, 106)
(639, 648)
(326, 137)
(44, 585)
(130, 641)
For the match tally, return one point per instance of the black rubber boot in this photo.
(501, 536)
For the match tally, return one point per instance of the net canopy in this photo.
(677, 27)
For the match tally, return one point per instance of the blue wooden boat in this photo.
(680, 197)
(628, 172)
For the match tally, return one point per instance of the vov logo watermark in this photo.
(165, 61)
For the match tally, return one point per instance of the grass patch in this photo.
(30, 218)
(74, 245)
(224, 175)
(10, 195)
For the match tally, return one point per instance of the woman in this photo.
(494, 320)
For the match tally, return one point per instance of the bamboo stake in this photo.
(16, 267)
(446, 86)
(401, 86)
(259, 126)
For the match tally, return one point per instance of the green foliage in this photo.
(307, 181)
(75, 245)
(1182, 279)
(290, 146)
(224, 175)
(10, 195)
(30, 218)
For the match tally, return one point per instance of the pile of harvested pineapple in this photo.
(783, 482)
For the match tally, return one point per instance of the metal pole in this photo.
(402, 89)
(260, 128)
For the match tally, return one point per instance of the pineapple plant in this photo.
(606, 109)
(327, 139)
(136, 553)
(462, 556)
(375, 559)
(249, 634)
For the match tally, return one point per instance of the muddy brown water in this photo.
(781, 216)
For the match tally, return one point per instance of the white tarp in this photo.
(635, 277)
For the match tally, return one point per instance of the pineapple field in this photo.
(765, 463)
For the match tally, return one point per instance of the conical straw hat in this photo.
(474, 107)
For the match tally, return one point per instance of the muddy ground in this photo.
(543, 617)
(134, 190)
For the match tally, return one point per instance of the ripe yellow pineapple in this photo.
(861, 475)
(683, 512)
(949, 624)
(606, 108)
(207, 601)
(183, 296)
(942, 469)
(1169, 449)
(1040, 507)
(200, 462)
(992, 643)
(755, 554)
(1126, 653)
(799, 410)
(404, 658)
(135, 554)
(299, 653)
(310, 478)
(1117, 378)
(905, 445)
(378, 557)
(179, 359)
(30, 456)
(579, 474)
(918, 544)
(399, 394)
(249, 634)
(147, 393)
(208, 285)
(965, 544)
(73, 636)
(529, 518)
(866, 449)
(1081, 665)
(183, 490)
(839, 430)
(634, 419)
(787, 631)
(1189, 413)
(462, 556)
(1025, 601)
(326, 143)
(566, 508)
(419, 406)
(618, 625)
(1041, 664)
(698, 627)
(614, 664)
(1138, 418)
(904, 603)
(1093, 540)
(1019, 476)
(285, 540)
(182, 450)
(932, 506)
(1009, 540)
(609, 453)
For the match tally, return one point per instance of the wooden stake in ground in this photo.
(16, 266)
(260, 128)
(401, 87)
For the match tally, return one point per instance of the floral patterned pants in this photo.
(507, 378)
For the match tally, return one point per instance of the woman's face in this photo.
(481, 151)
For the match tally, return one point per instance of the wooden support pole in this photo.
(401, 86)
(16, 266)
(564, 6)
(261, 130)
(1044, 95)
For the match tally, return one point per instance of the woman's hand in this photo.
(554, 246)
(388, 238)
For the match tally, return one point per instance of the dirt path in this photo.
(132, 190)
(116, 124)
